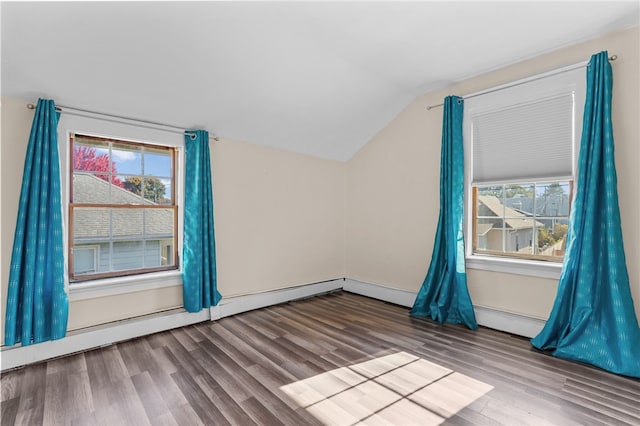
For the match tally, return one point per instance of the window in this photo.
(528, 221)
(122, 208)
(522, 142)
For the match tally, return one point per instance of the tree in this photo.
(554, 189)
(507, 191)
(545, 238)
(154, 189)
(559, 231)
(513, 190)
(85, 159)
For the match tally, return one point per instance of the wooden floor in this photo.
(332, 359)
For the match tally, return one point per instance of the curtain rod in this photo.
(523, 81)
(170, 128)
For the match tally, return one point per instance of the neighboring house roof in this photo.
(483, 228)
(92, 224)
(513, 218)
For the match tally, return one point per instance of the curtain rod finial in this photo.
(613, 57)
(31, 106)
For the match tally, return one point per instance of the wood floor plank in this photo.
(198, 400)
(32, 395)
(11, 384)
(9, 411)
(151, 399)
(339, 358)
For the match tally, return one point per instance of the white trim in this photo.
(515, 266)
(238, 304)
(122, 285)
(82, 340)
(380, 292)
(509, 322)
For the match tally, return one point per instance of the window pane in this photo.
(486, 235)
(127, 224)
(155, 190)
(157, 162)
(132, 193)
(159, 224)
(553, 199)
(90, 225)
(519, 241)
(167, 196)
(90, 188)
(85, 259)
(90, 155)
(127, 159)
(522, 220)
(519, 198)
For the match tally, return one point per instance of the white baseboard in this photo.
(235, 305)
(520, 325)
(508, 322)
(380, 292)
(93, 337)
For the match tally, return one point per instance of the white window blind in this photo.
(531, 140)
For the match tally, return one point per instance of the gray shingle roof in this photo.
(91, 224)
(514, 220)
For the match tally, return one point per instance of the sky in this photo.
(129, 163)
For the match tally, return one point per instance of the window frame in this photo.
(96, 125)
(72, 205)
(514, 255)
(523, 90)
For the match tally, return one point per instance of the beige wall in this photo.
(279, 218)
(393, 186)
(279, 221)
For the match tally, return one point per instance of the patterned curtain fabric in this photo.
(199, 248)
(37, 304)
(444, 295)
(593, 319)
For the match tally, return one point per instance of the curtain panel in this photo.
(444, 295)
(593, 318)
(199, 247)
(37, 303)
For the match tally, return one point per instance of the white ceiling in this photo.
(321, 78)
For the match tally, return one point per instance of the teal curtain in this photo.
(37, 304)
(199, 247)
(593, 319)
(444, 295)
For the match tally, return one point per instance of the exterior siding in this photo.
(128, 255)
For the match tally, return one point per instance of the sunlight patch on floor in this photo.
(394, 389)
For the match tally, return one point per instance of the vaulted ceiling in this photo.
(320, 78)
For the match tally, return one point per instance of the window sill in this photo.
(122, 285)
(515, 266)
